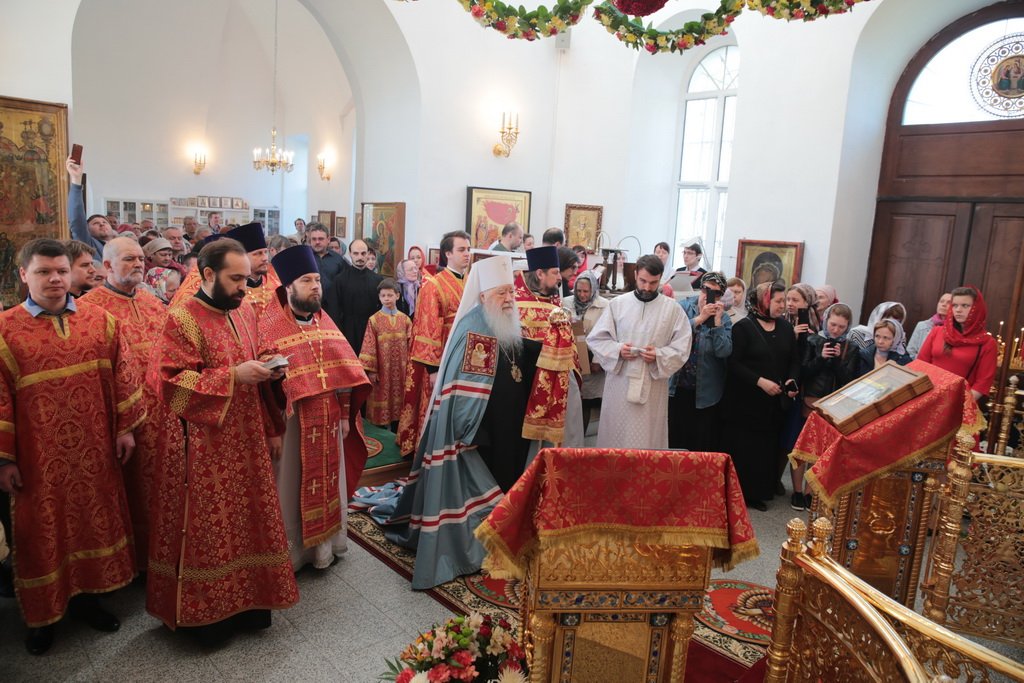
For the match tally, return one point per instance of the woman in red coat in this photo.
(961, 345)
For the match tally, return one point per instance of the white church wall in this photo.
(35, 50)
(201, 75)
(600, 123)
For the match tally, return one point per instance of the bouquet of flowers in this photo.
(473, 648)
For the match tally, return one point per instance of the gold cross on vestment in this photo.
(313, 487)
(323, 378)
(334, 431)
(313, 435)
(334, 480)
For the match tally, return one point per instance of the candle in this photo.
(1000, 333)
(517, 123)
(503, 121)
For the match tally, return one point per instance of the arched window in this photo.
(979, 76)
(709, 119)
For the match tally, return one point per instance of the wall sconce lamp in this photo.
(198, 162)
(509, 135)
(321, 167)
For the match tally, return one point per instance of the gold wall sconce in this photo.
(509, 133)
(321, 167)
(198, 162)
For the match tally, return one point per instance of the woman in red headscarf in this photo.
(961, 345)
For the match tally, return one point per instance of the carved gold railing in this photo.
(975, 578)
(832, 626)
(1004, 416)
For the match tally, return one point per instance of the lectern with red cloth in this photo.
(871, 481)
(615, 548)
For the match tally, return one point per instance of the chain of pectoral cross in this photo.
(322, 374)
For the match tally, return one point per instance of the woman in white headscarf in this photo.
(587, 305)
(862, 335)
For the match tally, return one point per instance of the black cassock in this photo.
(353, 300)
(499, 439)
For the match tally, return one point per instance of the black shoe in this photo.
(797, 502)
(39, 640)
(757, 505)
(87, 608)
(808, 500)
(6, 581)
(213, 636)
(253, 620)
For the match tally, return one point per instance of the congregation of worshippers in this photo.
(185, 406)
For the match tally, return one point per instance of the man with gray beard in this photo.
(499, 439)
(472, 449)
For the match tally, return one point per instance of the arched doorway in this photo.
(950, 206)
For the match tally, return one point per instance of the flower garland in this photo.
(805, 10)
(632, 32)
(516, 22)
(463, 649)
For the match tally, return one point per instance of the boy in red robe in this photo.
(69, 401)
(384, 355)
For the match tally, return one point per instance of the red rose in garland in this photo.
(639, 8)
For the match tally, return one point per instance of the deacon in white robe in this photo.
(641, 340)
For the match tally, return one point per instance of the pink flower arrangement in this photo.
(462, 649)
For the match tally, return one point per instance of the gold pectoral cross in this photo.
(313, 487)
(323, 378)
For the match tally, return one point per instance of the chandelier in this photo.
(274, 158)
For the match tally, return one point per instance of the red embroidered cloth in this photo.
(843, 463)
(663, 497)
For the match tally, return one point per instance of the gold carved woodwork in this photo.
(832, 626)
(613, 607)
(881, 528)
(606, 562)
(974, 583)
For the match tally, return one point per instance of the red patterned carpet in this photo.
(724, 648)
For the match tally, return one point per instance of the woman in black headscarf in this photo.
(763, 369)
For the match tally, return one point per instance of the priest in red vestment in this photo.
(435, 312)
(324, 388)
(218, 556)
(69, 401)
(555, 413)
(142, 319)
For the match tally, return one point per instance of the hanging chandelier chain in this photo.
(274, 120)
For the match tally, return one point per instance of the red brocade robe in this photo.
(142, 319)
(68, 389)
(436, 307)
(324, 384)
(217, 545)
(386, 352)
(544, 320)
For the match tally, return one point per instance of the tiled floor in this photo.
(348, 621)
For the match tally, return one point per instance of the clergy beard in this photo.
(223, 300)
(505, 326)
(307, 305)
(645, 296)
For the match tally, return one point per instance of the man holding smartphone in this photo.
(94, 230)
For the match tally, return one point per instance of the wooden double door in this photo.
(921, 249)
